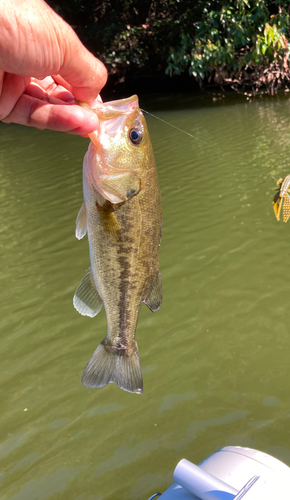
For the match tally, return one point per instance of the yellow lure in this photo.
(282, 196)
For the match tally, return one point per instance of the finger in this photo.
(13, 87)
(36, 113)
(63, 83)
(37, 91)
(46, 90)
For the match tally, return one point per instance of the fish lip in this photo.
(117, 107)
(122, 102)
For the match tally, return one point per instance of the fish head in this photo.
(121, 151)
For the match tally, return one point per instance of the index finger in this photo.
(62, 117)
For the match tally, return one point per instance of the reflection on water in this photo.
(214, 358)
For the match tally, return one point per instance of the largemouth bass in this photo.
(122, 215)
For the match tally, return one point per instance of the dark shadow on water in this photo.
(180, 93)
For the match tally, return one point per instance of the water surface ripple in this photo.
(215, 357)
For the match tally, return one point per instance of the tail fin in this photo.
(109, 364)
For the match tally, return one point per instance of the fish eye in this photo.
(135, 135)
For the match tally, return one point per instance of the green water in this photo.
(215, 357)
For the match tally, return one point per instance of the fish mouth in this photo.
(113, 116)
(112, 113)
(112, 109)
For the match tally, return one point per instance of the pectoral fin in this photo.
(120, 188)
(86, 298)
(155, 296)
(109, 220)
(81, 222)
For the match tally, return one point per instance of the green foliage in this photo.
(232, 36)
(210, 39)
(270, 45)
(127, 35)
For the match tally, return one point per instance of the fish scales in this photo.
(121, 267)
(123, 222)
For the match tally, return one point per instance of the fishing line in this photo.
(196, 138)
(183, 131)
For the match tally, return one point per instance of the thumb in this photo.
(85, 74)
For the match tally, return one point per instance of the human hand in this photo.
(44, 67)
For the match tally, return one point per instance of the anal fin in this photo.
(86, 298)
(155, 296)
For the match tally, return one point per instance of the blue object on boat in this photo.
(232, 473)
